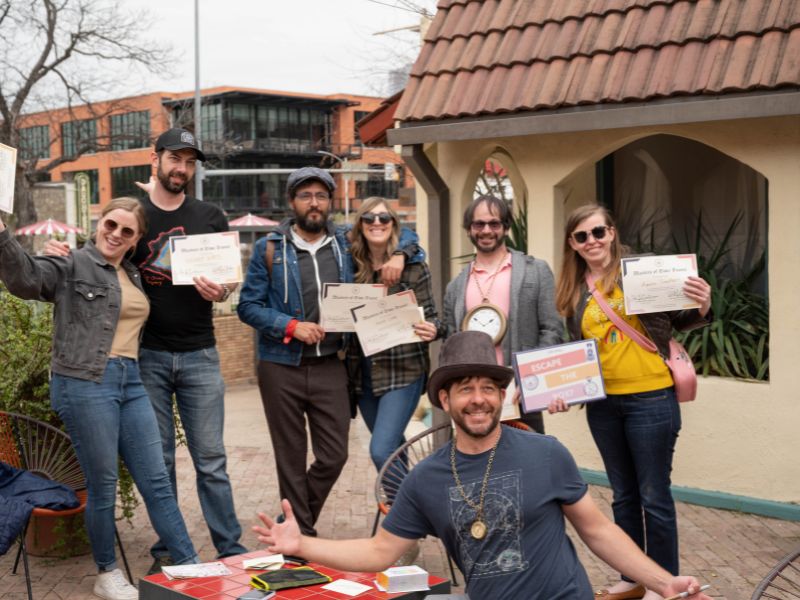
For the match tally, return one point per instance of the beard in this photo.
(475, 432)
(312, 225)
(498, 239)
(164, 178)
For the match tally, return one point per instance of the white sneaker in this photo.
(112, 585)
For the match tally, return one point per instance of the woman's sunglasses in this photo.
(383, 217)
(597, 233)
(110, 225)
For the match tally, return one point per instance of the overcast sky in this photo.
(317, 46)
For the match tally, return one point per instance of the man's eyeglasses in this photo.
(370, 217)
(309, 196)
(597, 233)
(110, 225)
(494, 225)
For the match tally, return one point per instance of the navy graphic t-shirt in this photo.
(526, 552)
(180, 320)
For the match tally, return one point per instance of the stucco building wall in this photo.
(738, 437)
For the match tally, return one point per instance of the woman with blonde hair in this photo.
(636, 426)
(100, 310)
(388, 385)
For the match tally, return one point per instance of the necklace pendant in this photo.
(478, 529)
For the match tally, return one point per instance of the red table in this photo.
(230, 587)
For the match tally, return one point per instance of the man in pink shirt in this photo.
(507, 294)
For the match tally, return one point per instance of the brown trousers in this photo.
(317, 390)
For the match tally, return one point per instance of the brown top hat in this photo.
(466, 354)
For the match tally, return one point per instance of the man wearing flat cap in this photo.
(496, 497)
(300, 373)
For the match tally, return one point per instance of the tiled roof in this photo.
(500, 56)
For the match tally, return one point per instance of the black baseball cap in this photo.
(178, 139)
(306, 174)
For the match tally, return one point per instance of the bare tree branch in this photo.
(63, 53)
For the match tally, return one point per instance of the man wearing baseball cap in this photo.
(300, 373)
(496, 496)
(178, 355)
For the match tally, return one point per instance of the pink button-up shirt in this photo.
(499, 291)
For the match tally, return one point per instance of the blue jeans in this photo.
(636, 435)
(115, 416)
(195, 380)
(387, 416)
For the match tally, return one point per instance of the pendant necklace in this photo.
(478, 529)
(491, 278)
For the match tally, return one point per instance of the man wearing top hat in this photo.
(496, 497)
(178, 355)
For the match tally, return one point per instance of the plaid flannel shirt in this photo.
(400, 366)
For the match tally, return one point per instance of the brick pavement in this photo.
(732, 551)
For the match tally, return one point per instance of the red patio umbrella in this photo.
(48, 227)
(250, 220)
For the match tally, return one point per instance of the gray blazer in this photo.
(533, 321)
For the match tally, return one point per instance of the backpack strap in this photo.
(269, 256)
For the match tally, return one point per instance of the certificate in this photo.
(655, 283)
(215, 256)
(510, 410)
(339, 298)
(388, 322)
(567, 371)
(8, 171)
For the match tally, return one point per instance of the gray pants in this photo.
(317, 390)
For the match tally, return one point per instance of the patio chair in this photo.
(34, 446)
(783, 581)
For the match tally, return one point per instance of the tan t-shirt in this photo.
(132, 315)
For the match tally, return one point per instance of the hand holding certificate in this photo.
(339, 298)
(8, 171)
(215, 256)
(388, 322)
(655, 283)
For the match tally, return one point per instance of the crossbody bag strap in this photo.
(637, 337)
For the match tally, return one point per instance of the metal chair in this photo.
(34, 446)
(783, 581)
(399, 465)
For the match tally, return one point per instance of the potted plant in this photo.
(26, 331)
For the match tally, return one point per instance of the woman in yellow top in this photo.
(636, 427)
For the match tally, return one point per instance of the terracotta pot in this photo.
(57, 535)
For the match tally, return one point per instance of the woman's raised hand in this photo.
(698, 289)
(426, 331)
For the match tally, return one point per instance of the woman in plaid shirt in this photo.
(388, 385)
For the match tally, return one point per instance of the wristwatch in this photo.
(226, 292)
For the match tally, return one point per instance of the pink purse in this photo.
(680, 365)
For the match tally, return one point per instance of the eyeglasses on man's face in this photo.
(309, 196)
(495, 225)
(370, 217)
(598, 233)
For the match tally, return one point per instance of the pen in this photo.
(703, 588)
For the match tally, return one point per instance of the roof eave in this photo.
(602, 116)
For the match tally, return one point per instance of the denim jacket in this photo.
(85, 290)
(268, 302)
